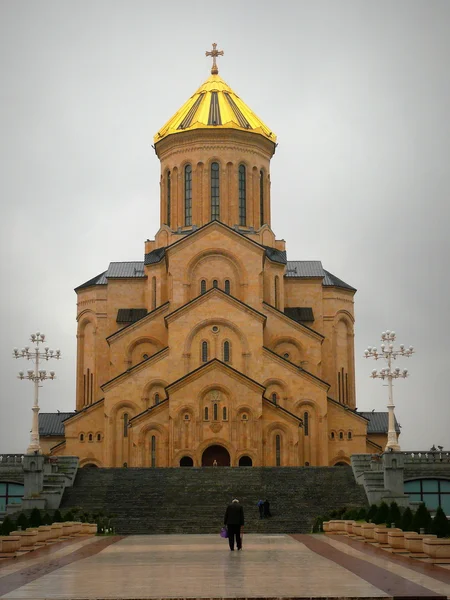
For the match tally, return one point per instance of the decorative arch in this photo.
(142, 341)
(87, 462)
(340, 459)
(154, 385)
(288, 345)
(144, 442)
(216, 321)
(215, 442)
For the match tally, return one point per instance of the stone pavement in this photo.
(201, 566)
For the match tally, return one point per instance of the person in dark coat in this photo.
(234, 520)
(266, 508)
(261, 508)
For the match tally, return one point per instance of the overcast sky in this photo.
(358, 93)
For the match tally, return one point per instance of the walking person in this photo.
(234, 521)
(261, 508)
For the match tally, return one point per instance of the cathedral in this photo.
(215, 349)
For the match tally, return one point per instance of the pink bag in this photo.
(224, 532)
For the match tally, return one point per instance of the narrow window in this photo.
(341, 435)
(277, 291)
(332, 435)
(156, 398)
(306, 423)
(278, 450)
(204, 351)
(125, 425)
(188, 195)
(168, 198)
(215, 192)
(91, 437)
(81, 437)
(274, 398)
(215, 412)
(226, 351)
(224, 413)
(153, 451)
(153, 292)
(242, 196)
(215, 283)
(206, 413)
(339, 386)
(203, 286)
(261, 196)
(99, 437)
(349, 435)
(227, 286)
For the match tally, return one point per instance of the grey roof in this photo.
(300, 314)
(97, 280)
(125, 269)
(275, 255)
(332, 280)
(52, 423)
(378, 422)
(130, 315)
(304, 268)
(154, 256)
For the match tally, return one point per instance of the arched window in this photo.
(215, 283)
(99, 437)
(153, 292)
(156, 398)
(81, 437)
(153, 451)
(341, 435)
(226, 351)
(227, 286)
(204, 351)
(215, 192)
(261, 197)
(275, 398)
(91, 437)
(278, 450)
(277, 291)
(125, 425)
(168, 198)
(306, 423)
(224, 413)
(332, 435)
(203, 286)
(215, 412)
(188, 195)
(242, 196)
(206, 413)
(349, 435)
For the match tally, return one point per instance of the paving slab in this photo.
(202, 566)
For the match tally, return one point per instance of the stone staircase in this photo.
(193, 500)
(58, 475)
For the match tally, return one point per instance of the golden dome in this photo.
(215, 105)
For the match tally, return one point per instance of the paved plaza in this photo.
(201, 566)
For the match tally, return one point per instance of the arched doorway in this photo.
(90, 466)
(245, 461)
(341, 464)
(186, 461)
(216, 456)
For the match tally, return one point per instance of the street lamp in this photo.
(36, 375)
(389, 353)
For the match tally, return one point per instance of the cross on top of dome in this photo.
(214, 53)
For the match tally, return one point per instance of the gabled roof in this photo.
(117, 270)
(378, 422)
(276, 255)
(155, 256)
(300, 313)
(130, 315)
(307, 269)
(52, 423)
(97, 280)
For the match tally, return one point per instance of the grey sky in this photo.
(358, 94)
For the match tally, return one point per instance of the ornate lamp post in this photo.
(389, 353)
(36, 375)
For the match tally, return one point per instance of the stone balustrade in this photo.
(368, 531)
(11, 459)
(422, 457)
(28, 539)
(10, 544)
(437, 549)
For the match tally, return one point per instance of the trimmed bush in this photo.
(395, 516)
(407, 519)
(46, 519)
(362, 514)
(371, 513)
(440, 524)
(69, 516)
(7, 526)
(35, 518)
(57, 517)
(422, 519)
(382, 514)
(318, 523)
(22, 521)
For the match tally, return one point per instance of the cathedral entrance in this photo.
(216, 456)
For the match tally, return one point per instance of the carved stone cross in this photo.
(214, 53)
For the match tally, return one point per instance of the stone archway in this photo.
(186, 461)
(245, 461)
(216, 456)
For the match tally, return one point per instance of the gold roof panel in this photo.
(214, 105)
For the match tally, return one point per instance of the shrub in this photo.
(440, 525)
(407, 519)
(22, 521)
(371, 513)
(318, 523)
(382, 514)
(46, 519)
(69, 516)
(362, 514)
(57, 517)
(421, 519)
(35, 518)
(394, 516)
(7, 526)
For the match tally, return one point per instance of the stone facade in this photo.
(211, 366)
